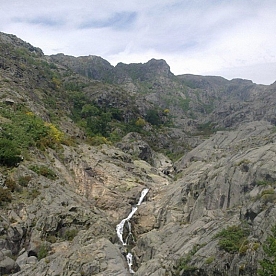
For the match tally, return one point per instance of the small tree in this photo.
(268, 264)
(153, 117)
(9, 154)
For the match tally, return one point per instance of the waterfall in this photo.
(120, 227)
(129, 262)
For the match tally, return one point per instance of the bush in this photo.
(70, 234)
(232, 238)
(44, 171)
(43, 251)
(268, 264)
(9, 154)
(153, 117)
(27, 130)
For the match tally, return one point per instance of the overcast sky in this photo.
(229, 38)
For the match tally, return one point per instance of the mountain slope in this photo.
(80, 139)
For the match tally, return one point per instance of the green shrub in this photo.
(44, 171)
(9, 153)
(70, 234)
(268, 263)
(43, 251)
(153, 117)
(27, 130)
(232, 238)
(97, 140)
(209, 260)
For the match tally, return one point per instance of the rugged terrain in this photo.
(80, 139)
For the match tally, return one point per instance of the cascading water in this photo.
(120, 228)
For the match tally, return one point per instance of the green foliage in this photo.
(25, 130)
(97, 140)
(265, 182)
(43, 251)
(153, 117)
(99, 125)
(184, 263)
(70, 234)
(232, 238)
(206, 129)
(9, 153)
(209, 260)
(184, 103)
(268, 264)
(45, 171)
(74, 86)
(5, 196)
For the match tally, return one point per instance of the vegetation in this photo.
(44, 171)
(70, 234)
(5, 196)
(268, 264)
(104, 124)
(153, 117)
(232, 238)
(24, 180)
(10, 184)
(184, 263)
(43, 251)
(9, 153)
(206, 129)
(25, 130)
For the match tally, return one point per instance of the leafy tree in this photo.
(89, 110)
(268, 264)
(153, 117)
(99, 125)
(9, 154)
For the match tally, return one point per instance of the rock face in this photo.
(205, 147)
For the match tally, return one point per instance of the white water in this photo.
(129, 262)
(120, 227)
(143, 194)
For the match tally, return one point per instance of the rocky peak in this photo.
(93, 67)
(149, 71)
(14, 41)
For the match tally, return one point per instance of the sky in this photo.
(228, 38)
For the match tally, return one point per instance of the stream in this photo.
(120, 228)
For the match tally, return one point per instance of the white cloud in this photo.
(195, 36)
